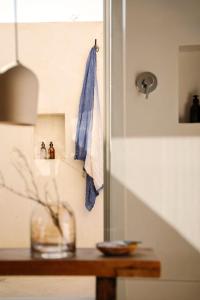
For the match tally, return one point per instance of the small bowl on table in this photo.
(117, 248)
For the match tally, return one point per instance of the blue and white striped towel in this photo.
(89, 136)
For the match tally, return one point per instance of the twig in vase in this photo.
(28, 169)
(32, 192)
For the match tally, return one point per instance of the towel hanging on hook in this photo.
(89, 137)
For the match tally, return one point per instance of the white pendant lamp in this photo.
(18, 91)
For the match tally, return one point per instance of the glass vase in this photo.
(53, 232)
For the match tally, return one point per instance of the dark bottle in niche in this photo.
(51, 151)
(195, 110)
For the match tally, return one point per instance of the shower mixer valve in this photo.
(146, 83)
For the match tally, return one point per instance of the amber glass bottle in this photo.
(51, 151)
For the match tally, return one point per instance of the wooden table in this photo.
(86, 262)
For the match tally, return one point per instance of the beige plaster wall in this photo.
(57, 53)
(155, 160)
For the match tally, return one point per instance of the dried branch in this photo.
(18, 193)
(56, 190)
(2, 180)
(28, 169)
(46, 194)
(24, 178)
(57, 195)
(23, 167)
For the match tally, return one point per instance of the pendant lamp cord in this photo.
(16, 33)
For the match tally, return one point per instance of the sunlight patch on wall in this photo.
(164, 173)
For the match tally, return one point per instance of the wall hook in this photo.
(95, 45)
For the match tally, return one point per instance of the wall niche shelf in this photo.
(50, 128)
(189, 79)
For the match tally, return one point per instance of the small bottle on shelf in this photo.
(43, 151)
(51, 151)
(195, 110)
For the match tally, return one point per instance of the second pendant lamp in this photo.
(18, 90)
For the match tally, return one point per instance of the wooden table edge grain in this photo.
(86, 262)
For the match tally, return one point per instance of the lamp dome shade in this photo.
(18, 96)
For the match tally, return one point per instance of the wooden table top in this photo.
(86, 262)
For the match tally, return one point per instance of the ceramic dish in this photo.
(115, 248)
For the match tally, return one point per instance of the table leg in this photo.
(106, 288)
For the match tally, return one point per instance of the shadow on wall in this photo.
(180, 260)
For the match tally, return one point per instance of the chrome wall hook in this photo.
(146, 83)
